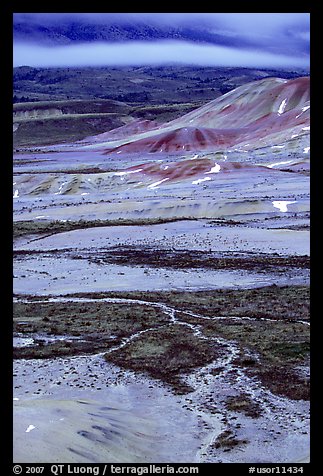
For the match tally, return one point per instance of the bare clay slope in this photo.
(237, 149)
(257, 114)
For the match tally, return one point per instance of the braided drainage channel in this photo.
(270, 437)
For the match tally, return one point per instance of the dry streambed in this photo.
(224, 355)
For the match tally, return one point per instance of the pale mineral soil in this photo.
(217, 409)
(243, 230)
(97, 412)
(85, 259)
(203, 235)
(83, 410)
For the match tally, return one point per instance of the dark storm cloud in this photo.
(236, 39)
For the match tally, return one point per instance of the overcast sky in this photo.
(240, 39)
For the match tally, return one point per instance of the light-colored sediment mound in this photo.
(153, 176)
(265, 112)
(196, 188)
(150, 176)
(189, 168)
(221, 182)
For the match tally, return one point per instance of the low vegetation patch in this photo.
(243, 403)
(269, 326)
(99, 326)
(227, 441)
(185, 259)
(166, 354)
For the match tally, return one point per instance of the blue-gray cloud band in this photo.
(236, 39)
